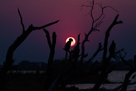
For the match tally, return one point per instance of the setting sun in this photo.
(73, 42)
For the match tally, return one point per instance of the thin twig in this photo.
(41, 27)
(21, 20)
(95, 54)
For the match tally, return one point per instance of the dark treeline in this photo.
(28, 65)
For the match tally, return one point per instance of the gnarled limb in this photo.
(95, 23)
(9, 56)
(21, 20)
(123, 60)
(115, 22)
(51, 57)
(126, 80)
(95, 54)
(106, 59)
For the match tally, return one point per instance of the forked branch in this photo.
(51, 57)
(9, 56)
(95, 54)
(21, 20)
(128, 75)
(106, 59)
(95, 23)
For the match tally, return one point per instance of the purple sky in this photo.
(73, 21)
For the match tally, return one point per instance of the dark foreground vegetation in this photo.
(28, 65)
(35, 81)
(73, 68)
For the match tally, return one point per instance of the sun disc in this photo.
(73, 42)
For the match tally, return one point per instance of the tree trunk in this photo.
(9, 57)
(105, 59)
(49, 80)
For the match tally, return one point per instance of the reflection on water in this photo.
(26, 71)
(108, 86)
(118, 76)
(115, 76)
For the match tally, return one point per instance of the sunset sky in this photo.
(73, 21)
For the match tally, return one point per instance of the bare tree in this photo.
(126, 80)
(106, 60)
(9, 56)
(50, 59)
(76, 70)
(94, 26)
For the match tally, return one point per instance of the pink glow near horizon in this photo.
(72, 20)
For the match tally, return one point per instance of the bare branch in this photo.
(91, 5)
(115, 20)
(96, 30)
(100, 14)
(48, 37)
(111, 8)
(126, 62)
(95, 54)
(53, 40)
(41, 27)
(91, 11)
(51, 57)
(95, 23)
(85, 6)
(103, 10)
(128, 75)
(106, 59)
(126, 80)
(21, 20)
(100, 21)
(108, 34)
(119, 51)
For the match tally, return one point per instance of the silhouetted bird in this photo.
(67, 46)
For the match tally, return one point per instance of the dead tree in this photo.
(123, 87)
(50, 59)
(9, 56)
(126, 80)
(106, 59)
(95, 23)
(65, 76)
(94, 26)
(73, 70)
